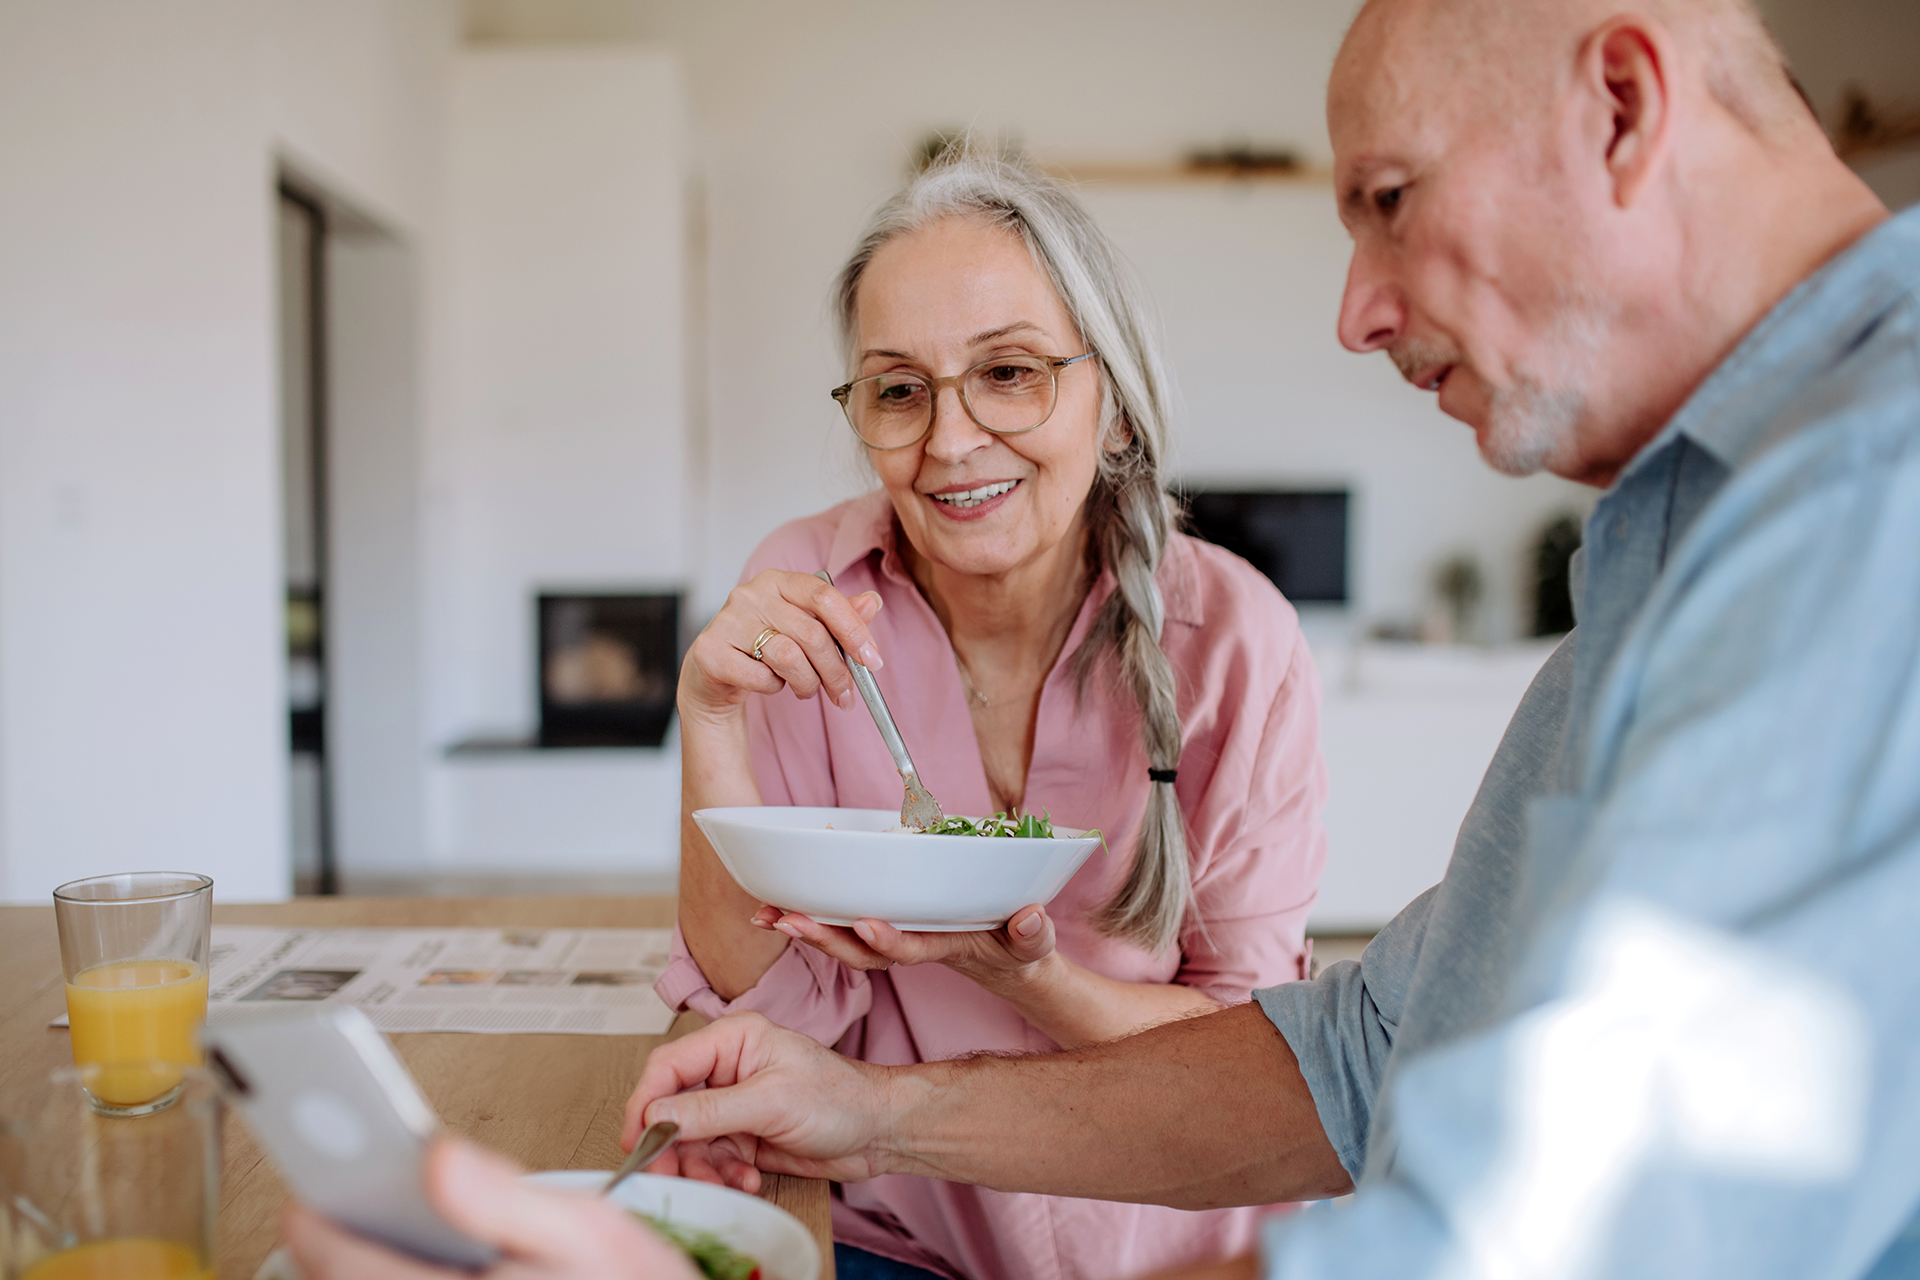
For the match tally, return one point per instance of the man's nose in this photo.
(1373, 312)
(955, 434)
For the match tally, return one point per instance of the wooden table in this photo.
(549, 1101)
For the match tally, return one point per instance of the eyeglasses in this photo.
(1006, 395)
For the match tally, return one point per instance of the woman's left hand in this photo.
(1016, 962)
(1018, 949)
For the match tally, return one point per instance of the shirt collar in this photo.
(1735, 413)
(866, 527)
(869, 526)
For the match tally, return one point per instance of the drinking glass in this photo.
(88, 1195)
(134, 949)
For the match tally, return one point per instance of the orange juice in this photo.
(131, 1259)
(136, 1011)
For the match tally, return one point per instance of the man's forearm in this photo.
(1197, 1114)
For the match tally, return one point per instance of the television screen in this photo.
(1297, 538)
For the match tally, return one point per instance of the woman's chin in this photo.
(971, 564)
(973, 551)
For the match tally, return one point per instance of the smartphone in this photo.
(334, 1106)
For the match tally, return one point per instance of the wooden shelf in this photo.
(530, 749)
(1870, 131)
(1154, 175)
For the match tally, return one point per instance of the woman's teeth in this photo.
(974, 497)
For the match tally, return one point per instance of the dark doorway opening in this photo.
(303, 456)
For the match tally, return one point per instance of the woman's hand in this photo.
(1017, 962)
(542, 1234)
(720, 669)
(716, 758)
(1018, 953)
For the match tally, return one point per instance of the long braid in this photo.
(1152, 904)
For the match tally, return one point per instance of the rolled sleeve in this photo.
(803, 990)
(1341, 1026)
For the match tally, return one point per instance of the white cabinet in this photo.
(1408, 731)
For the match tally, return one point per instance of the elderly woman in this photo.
(1048, 644)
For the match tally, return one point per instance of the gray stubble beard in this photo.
(1534, 422)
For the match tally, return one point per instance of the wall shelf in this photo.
(1871, 131)
(496, 748)
(1177, 174)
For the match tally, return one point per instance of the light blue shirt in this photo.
(1662, 1016)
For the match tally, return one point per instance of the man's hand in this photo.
(1200, 1114)
(778, 1102)
(542, 1234)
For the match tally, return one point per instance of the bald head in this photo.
(1565, 212)
(1520, 49)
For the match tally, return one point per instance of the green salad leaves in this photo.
(716, 1259)
(1030, 826)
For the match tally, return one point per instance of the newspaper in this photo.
(582, 981)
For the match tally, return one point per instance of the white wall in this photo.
(138, 566)
(558, 453)
(142, 721)
(376, 660)
(355, 95)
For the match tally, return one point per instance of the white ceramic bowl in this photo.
(842, 865)
(775, 1238)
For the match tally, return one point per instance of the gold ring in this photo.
(759, 642)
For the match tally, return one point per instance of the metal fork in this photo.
(918, 809)
(657, 1138)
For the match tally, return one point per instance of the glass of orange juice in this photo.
(134, 948)
(89, 1196)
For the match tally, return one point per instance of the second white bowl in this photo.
(775, 1238)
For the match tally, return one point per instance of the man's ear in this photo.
(1627, 64)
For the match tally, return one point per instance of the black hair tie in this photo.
(1162, 775)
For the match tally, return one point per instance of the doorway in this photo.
(303, 465)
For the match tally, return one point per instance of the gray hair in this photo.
(1129, 515)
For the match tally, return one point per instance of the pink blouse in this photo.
(1251, 788)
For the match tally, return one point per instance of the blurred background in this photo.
(389, 388)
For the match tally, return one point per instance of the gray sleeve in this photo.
(1341, 1027)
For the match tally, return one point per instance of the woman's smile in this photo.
(972, 502)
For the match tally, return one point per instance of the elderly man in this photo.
(1659, 1017)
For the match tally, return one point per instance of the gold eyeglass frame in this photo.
(958, 382)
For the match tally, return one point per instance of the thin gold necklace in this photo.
(973, 690)
(966, 678)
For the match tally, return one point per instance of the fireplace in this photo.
(608, 667)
